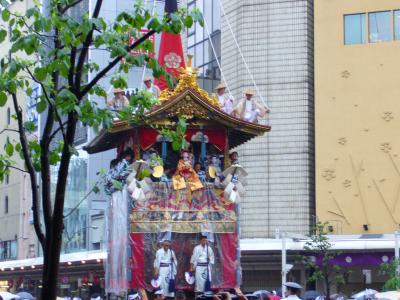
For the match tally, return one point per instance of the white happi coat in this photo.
(199, 261)
(166, 269)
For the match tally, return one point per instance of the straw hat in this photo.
(220, 86)
(118, 90)
(249, 92)
(147, 78)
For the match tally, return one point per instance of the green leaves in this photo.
(3, 34)
(5, 14)
(96, 189)
(3, 99)
(178, 136)
(30, 126)
(54, 158)
(41, 106)
(40, 73)
(9, 149)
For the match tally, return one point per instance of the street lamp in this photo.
(285, 266)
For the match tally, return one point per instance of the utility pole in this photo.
(284, 271)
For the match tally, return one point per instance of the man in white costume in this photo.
(150, 87)
(249, 109)
(165, 266)
(225, 101)
(202, 262)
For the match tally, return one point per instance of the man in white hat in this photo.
(119, 100)
(248, 109)
(224, 100)
(292, 288)
(165, 266)
(150, 87)
(202, 262)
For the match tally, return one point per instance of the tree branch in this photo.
(71, 70)
(7, 129)
(65, 8)
(103, 72)
(31, 171)
(54, 109)
(16, 168)
(80, 202)
(85, 48)
(55, 131)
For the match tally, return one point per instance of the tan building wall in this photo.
(15, 221)
(357, 114)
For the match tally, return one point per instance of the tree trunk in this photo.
(328, 287)
(50, 278)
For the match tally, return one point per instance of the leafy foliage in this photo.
(391, 269)
(319, 259)
(178, 136)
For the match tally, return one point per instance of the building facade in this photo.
(276, 39)
(17, 239)
(357, 115)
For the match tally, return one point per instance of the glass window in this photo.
(191, 29)
(191, 51)
(198, 56)
(397, 24)
(380, 26)
(208, 13)
(8, 250)
(354, 29)
(208, 54)
(216, 16)
(190, 40)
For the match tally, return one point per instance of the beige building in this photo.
(17, 238)
(357, 115)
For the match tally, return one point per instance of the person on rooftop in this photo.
(225, 101)
(150, 87)
(249, 109)
(119, 100)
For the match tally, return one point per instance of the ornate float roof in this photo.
(190, 101)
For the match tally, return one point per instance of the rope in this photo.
(241, 54)
(216, 58)
(144, 67)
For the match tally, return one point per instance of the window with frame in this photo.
(380, 26)
(202, 40)
(8, 250)
(354, 29)
(396, 15)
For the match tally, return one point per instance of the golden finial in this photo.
(189, 69)
(187, 78)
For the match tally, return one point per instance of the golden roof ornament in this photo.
(188, 78)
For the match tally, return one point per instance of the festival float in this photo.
(190, 202)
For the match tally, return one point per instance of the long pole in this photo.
(283, 237)
(396, 252)
(238, 254)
